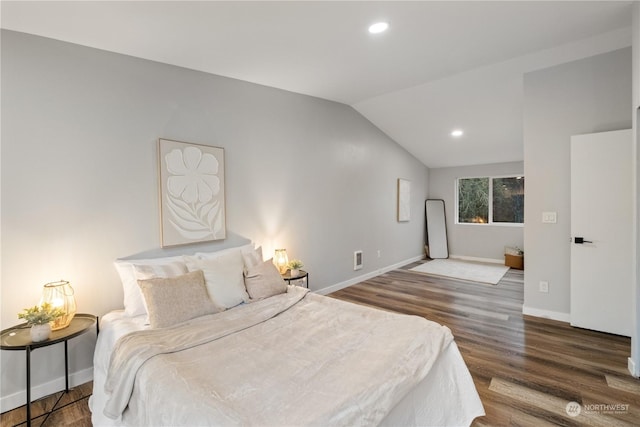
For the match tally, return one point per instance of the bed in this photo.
(289, 357)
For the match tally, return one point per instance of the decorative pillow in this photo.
(160, 271)
(177, 299)
(252, 257)
(223, 278)
(160, 267)
(264, 281)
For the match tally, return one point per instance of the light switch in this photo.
(549, 217)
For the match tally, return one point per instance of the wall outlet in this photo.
(379, 253)
(543, 286)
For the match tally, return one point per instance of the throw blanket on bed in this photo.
(292, 359)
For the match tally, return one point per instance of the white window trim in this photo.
(490, 223)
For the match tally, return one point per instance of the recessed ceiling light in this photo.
(378, 27)
(457, 133)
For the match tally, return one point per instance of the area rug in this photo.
(465, 270)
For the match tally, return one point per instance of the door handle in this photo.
(580, 240)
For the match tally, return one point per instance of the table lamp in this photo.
(60, 295)
(281, 260)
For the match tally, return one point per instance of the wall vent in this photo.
(357, 260)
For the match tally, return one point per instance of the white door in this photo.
(602, 216)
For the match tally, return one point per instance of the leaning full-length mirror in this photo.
(437, 246)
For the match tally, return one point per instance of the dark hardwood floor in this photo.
(73, 410)
(526, 369)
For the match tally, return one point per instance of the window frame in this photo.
(490, 204)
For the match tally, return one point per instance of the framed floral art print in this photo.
(192, 203)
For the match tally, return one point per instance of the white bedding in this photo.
(446, 396)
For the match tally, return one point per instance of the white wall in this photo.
(79, 178)
(472, 240)
(585, 96)
(634, 365)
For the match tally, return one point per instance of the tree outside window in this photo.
(508, 200)
(473, 200)
(488, 200)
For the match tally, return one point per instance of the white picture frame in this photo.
(404, 200)
(192, 197)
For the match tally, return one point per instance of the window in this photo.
(489, 200)
(473, 200)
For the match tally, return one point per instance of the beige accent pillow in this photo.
(252, 257)
(223, 277)
(264, 280)
(133, 300)
(157, 271)
(176, 299)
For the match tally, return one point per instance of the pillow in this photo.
(177, 299)
(264, 281)
(251, 257)
(160, 271)
(223, 278)
(133, 300)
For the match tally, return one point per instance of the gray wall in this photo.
(585, 96)
(472, 240)
(635, 338)
(79, 177)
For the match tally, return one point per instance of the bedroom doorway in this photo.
(601, 237)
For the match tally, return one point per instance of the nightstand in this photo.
(18, 338)
(301, 275)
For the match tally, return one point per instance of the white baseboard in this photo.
(547, 314)
(353, 281)
(18, 399)
(631, 366)
(476, 259)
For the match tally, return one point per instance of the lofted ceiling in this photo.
(439, 66)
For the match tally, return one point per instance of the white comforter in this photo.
(293, 359)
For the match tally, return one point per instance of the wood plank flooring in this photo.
(526, 369)
(74, 410)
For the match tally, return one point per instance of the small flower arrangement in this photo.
(41, 314)
(513, 251)
(295, 264)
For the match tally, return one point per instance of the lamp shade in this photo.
(281, 260)
(60, 295)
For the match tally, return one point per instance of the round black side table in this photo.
(301, 275)
(19, 338)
